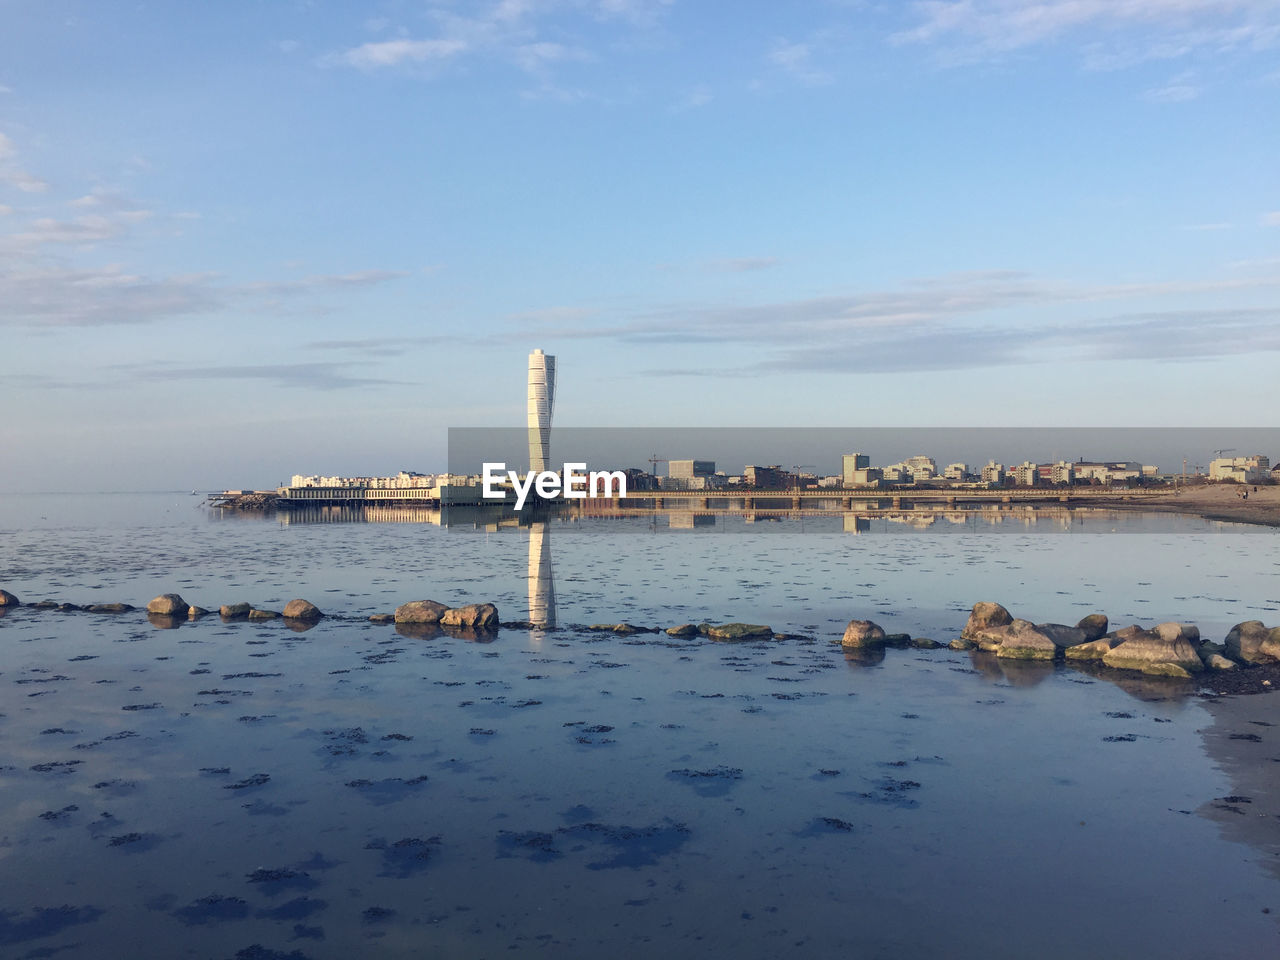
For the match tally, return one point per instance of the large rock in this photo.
(1146, 650)
(476, 616)
(684, 630)
(1178, 631)
(1023, 640)
(1217, 662)
(1063, 635)
(109, 607)
(7, 599)
(740, 631)
(1252, 642)
(863, 633)
(985, 616)
(234, 611)
(1093, 650)
(420, 611)
(168, 605)
(302, 610)
(256, 614)
(1094, 626)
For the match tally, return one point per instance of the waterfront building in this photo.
(688, 469)
(1252, 469)
(542, 401)
(766, 478)
(956, 471)
(850, 463)
(1025, 474)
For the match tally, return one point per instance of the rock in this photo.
(46, 605)
(1094, 626)
(985, 615)
(602, 627)
(109, 607)
(1215, 661)
(1167, 670)
(1270, 647)
(382, 618)
(962, 643)
(1024, 641)
(263, 615)
(1064, 636)
(476, 616)
(1093, 650)
(7, 599)
(68, 607)
(420, 611)
(1245, 643)
(1178, 631)
(924, 643)
(740, 631)
(704, 629)
(1147, 651)
(302, 610)
(234, 611)
(632, 628)
(863, 633)
(684, 630)
(195, 613)
(168, 605)
(897, 639)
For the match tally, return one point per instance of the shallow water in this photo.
(352, 790)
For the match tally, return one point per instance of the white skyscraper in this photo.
(542, 401)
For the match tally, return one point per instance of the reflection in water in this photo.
(542, 586)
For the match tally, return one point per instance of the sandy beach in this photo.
(1219, 502)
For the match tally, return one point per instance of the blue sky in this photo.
(245, 239)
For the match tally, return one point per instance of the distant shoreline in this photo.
(1215, 502)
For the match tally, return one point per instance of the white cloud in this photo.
(1271, 219)
(14, 175)
(389, 53)
(1159, 29)
(1173, 93)
(288, 46)
(5, 210)
(796, 60)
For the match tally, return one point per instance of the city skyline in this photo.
(223, 230)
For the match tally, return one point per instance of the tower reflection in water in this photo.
(542, 585)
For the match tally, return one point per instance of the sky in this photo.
(249, 239)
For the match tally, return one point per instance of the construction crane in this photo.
(654, 461)
(1220, 452)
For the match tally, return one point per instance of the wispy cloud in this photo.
(13, 174)
(742, 264)
(1271, 219)
(388, 53)
(536, 36)
(796, 59)
(957, 322)
(318, 375)
(382, 346)
(1113, 33)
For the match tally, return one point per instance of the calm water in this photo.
(353, 791)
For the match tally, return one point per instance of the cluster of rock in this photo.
(472, 616)
(864, 634)
(1168, 649)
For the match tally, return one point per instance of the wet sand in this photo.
(1217, 502)
(1244, 741)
